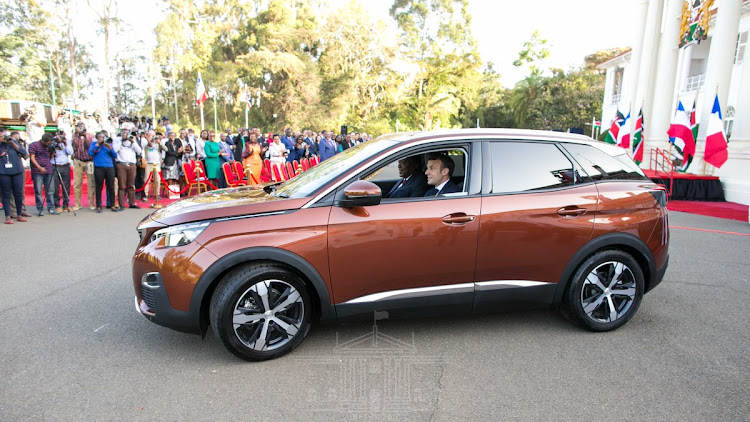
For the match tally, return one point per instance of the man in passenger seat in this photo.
(439, 172)
(412, 183)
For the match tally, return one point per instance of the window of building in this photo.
(739, 53)
(617, 82)
(530, 166)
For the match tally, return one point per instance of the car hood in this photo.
(220, 203)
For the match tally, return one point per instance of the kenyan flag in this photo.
(614, 129)
(638, 139)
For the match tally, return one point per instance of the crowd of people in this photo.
(128, 158)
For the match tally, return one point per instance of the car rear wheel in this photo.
(260, 312)
(605, 291)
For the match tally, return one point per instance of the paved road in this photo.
(73, 348)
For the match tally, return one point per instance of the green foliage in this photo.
(304, 66)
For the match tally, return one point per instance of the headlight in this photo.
(179, 235)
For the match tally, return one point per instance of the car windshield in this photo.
(320, 175)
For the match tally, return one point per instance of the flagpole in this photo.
(593, 124)
(201, 116)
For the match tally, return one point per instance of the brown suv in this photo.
(414, 223)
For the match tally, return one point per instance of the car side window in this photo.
(530, 166)
(411, 177)
(601, 166)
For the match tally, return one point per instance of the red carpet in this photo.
(651, 174)
(728, 210)
(31, 204)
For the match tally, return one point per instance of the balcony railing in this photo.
(694, 83)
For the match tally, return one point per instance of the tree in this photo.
(106, 19)
(437, 44)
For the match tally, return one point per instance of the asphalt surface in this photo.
(73, 348)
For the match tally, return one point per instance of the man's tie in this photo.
(397, 187)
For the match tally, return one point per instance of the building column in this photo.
(661, 106)
(733, 174)
(741, 130)
(650, 46)
(720, 61)
(637, 54)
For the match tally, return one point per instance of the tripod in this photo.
(62, 182)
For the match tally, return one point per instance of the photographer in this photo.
(127, 150)
(41, 172)
(152, 150)
(82, 164)
(11, 176)
(61, 171)
(104, 170)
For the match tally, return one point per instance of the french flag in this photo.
(716, 140)
(200, 96)
(680, 134)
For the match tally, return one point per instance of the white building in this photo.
(656, 73)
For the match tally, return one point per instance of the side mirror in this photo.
(359, 194)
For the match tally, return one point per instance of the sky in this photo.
(573, 29)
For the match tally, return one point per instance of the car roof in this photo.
(498, 133)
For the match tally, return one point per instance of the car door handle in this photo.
(571, 211)
(458, 218)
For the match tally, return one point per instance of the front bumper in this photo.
(155, 306)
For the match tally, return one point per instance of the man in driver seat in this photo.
(413, 183)
(439, 172)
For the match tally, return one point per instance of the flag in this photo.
(716, 139)
(623, 135)
(248, 100)
(681, 136)
(614, 129)
(638, 138)
(200, 96)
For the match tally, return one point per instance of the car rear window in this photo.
(601, 166)
(530, 166)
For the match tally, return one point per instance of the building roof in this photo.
(621, 58)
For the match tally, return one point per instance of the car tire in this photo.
(260, 311)
(605, 291)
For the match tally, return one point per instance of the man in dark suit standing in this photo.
(439, 172)
(413, 183)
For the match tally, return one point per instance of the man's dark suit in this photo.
(449, 187)
(414, 187)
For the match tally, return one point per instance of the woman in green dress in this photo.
(213, 163)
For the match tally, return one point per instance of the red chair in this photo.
(297, 167)
(230, 174)
(305, 164)
(265, 176)
(194, 176)
(284, 172)
(290, 170)
(267, 166)
(278, 175)
(314, 161)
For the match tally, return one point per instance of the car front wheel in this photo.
(260, 312)
(605, 291)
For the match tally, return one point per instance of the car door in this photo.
(407, 254)
(538, 210)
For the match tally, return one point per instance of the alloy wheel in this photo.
(608, 292)
(268, 315)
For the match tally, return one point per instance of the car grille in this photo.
(148, 297)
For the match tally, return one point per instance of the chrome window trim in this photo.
(395, 151)
(466, 137)
(481, 286)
